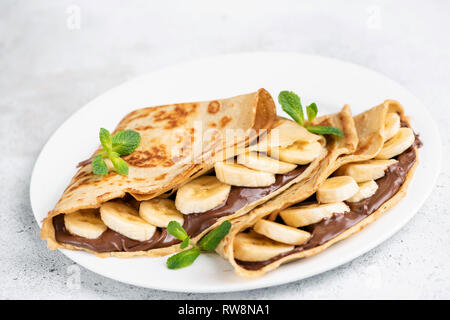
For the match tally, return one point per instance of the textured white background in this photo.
(49, 68)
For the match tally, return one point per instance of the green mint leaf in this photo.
(105, 139)
(212, 239)
(119, 164)
(125, 142)
(122, 143)
(185, 243)
(183, 259)
(311, 111)
(290, 103)
(99, 165)
(175, 229)
(325, 130)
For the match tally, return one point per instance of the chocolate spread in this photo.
(330, 228)
(194, 224)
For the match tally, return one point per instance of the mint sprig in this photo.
(120, 144)
(175, 229)
(125, 142)
(212, 239)
(291, 104)
(183, 259)
(325, 130)
(208, 243)
(99, 166)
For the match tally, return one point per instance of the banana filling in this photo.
(128, 225)
(354, 192)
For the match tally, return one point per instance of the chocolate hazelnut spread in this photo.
(330, 228)
(194, 224)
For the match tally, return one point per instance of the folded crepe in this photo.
(365, 184)
(178, 143)
(128, 215)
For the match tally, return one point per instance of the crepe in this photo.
(371, 132)
(253, 111)
(178, 142)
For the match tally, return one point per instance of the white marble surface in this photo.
(49, 68)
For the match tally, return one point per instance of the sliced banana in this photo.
(258, 161)
(336, 189)
(366, 170)
(85, 223)
(201, 194)
(254, 247)
(391, 125)
(126, 221)
(300, 152)
(160, 212)
(238, 175)
(366, 190)
(402, 140)
(312, 213)
(284, 133)
(280, 232)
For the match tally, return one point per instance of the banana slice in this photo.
(258, 161)
(402, 140)
(281, 233)
(366, 170)
(201, 194)
(238, 175)
(300, 152)
(391, 125)
(366, 190)
(126, 221)
(284, 133)
(85, 223)
(254, 247)
(312, 213)
(160, 212)
(336, 189)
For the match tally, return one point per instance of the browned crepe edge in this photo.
(264, 120)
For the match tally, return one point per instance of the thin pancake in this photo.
(178, 143)
(370, 129)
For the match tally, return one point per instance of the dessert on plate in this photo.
(232, 176)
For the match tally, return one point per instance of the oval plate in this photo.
(328, 82)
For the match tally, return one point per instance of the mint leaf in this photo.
(325, 130)
(99, 165)
(121, 144)
(212, 239)
(119, 164)
(105, 139)
(290, 103)
(183, 259)
(175, 229)
(311, 111)
(185, 243)
(208, 242)
(125, 142)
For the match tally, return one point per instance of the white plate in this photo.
(328, 82)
